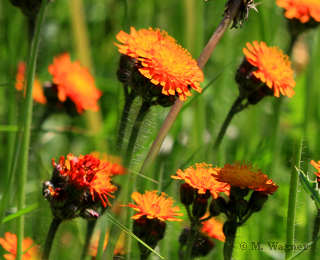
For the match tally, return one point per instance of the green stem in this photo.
(228, 247)
(293, 196)
(192, 235)
(129, 98)
(50, 237)
(90, 227)
(189, 212)
(26, 124)
(145, 107)
(315, 233)
(234, 110)
(174, 111)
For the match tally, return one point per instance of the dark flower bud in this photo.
(29, 8)
(140, 226)
(259, 94)
(199, 207)
(242, 208)
(165, 101)
(257, 200)
(202, 245)
(160, 227)
(214, 209)
(184, 236)
(89, 214)
(229, 228)
(125, 68)
(238, 193)
(222, 204)
(186, 194)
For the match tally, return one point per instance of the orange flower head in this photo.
(37, 92)
(200, 177)
(154, 206)
(162, 60)
(10, 244)
(301, 9)
(317, 166)
(111, 163)
(273, 67)
(85, 172)
(213, 229)
(75, 82)
(245, 175)
(120, 248)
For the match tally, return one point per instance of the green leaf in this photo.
(305, 247)
(21, 212)
(311, 187)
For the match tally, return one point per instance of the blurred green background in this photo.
(262, 134)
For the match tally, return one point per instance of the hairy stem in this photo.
(297, 148)
(234, 110)
(50, 237)
(145, 107)
(129, 98)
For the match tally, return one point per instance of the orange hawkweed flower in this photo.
(245, 175)
(37, 92)
(162, 60)
(30, 251)
(111, 163)
(153, 206)
(213, 229)
(74, 82)
(301, 9)
(273, 67)
(85, 172)
(201, 178)
(317, 166)
(120, 248)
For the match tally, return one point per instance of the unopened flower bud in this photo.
(257, 200)
(229, 228)
(186, 194)
(238, 193)
(214, 209)
(161, 228)
(140, 227)
(242, 208)
(222, 204)
(89, 214)
(199, 207)
(29, 8)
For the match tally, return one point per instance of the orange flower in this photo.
(301, 9)
(273, 67)
(74, 82)
(111, 163)
(120, 248)
(37, 93)
(201, 179)
(85, 172)
(10, 245)
(213, 229)
(154, 206)
(162, 60)
(244, 174)
(317, 165)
